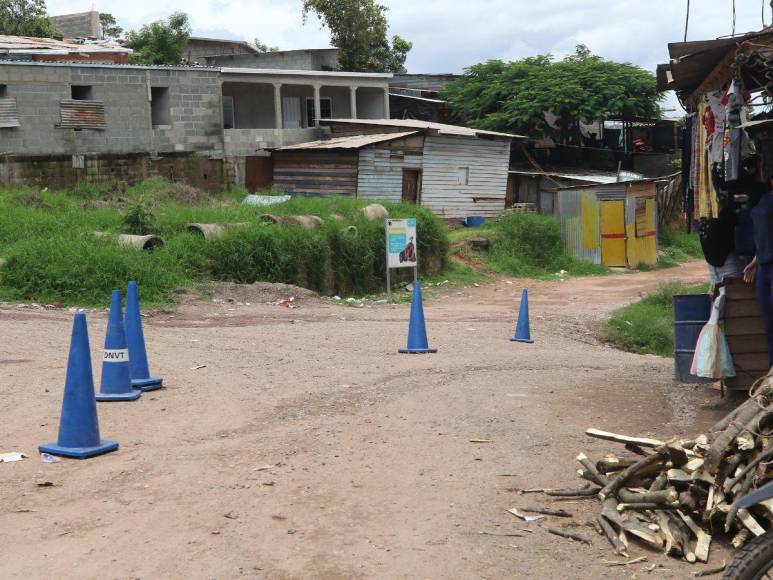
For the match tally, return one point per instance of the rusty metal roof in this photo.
(26, 45)
(441, 128)
(352, 142)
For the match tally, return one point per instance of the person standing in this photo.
(761, 267)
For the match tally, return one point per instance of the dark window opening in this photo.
(82, 93)
(3, 91)
(325, 106)
(159, 106)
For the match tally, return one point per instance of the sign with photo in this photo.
(401, 243)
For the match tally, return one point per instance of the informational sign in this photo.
(401, 243)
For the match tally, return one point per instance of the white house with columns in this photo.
(271, 108)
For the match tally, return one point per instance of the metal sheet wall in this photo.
(380, 172)
(9, 117)
(578, 212)
(82, 114)
(487, 161)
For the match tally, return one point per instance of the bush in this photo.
(84, 270)
(52, 256)
(647, 326)
(530, 245)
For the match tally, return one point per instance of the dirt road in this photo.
(372, 473)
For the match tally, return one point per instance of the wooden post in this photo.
(386, 257)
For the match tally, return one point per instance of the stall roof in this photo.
(692, 62)
(593, 178)
(441, 128)
(353, 142)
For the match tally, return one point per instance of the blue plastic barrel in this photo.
(691, 313)
(474, 221)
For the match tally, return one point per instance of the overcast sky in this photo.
(449, 35)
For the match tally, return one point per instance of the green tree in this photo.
(160, 42)
(26, 18)
(515, 96)
(263, 47)
(358, 28)
(110, 28)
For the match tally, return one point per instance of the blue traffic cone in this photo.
(522, 333)
(417, 332)
(79, 425)
(116, 383)
(138, 356)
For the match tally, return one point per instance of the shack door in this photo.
(613, 233)
(411, 179)
(258, 173)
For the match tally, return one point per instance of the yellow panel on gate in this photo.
(613, 233)
(590, 221)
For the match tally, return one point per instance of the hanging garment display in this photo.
(716, 138)
(705, 195)
(734, 100)
(712, 358)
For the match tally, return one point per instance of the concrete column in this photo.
(317, 105)
(386, 103)
(278, 105)
(352, 102)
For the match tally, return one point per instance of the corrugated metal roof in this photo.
(82, 114)
(597, 178)
(26, 44)
(353, 142)
(416, 98)
(77, 63)
(302, 73)
(441, 128)
(9, 117)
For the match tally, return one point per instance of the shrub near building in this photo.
(51, 255)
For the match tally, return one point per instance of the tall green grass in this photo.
(50, 254)
(530, 245)
(647, 326)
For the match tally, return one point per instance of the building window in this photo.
(228, 112)
(159, 107)
(3, 91)
(463, 176)
(81, 93)
(326, 109)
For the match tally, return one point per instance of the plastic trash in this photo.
(265, 200)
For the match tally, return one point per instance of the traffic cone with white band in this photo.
(116, 383)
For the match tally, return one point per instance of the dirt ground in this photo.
(296, 443)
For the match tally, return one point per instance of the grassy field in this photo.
(647, 326)
(50, 252)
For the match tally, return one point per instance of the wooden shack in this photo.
(614, 224)
(454, 171)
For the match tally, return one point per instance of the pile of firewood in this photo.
(676, 495)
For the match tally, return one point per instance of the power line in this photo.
(733, 17)
(687, 18)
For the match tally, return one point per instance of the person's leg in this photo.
(765, 300)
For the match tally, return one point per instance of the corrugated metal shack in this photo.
(614, 224)
(454, 171)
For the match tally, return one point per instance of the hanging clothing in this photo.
(734, 100)
(687, 202)
(705, 195)
(717, 138)
(712, 357)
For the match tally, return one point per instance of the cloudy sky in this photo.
(449, 35)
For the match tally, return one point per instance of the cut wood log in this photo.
(591, 471)
(682, 535)
(569, 535)
(612, 536)
(612, 463)
(741, 538)
(664, 523)
(724, 440)
(703, 543)
(641, 506)
(559, 513)
(586, 491)
(630, 472)
(764, 455)
(666, 496)
(750, 523)
(624, 439)
(678, 476)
